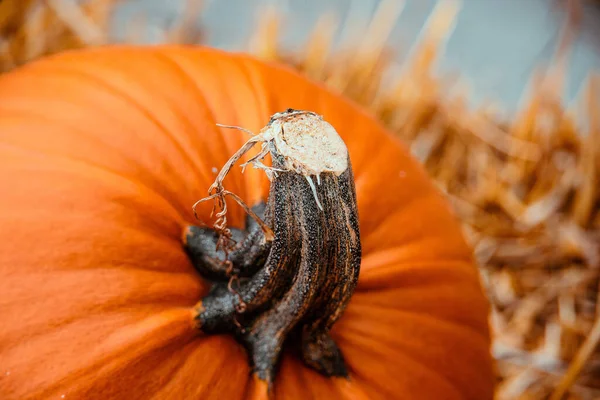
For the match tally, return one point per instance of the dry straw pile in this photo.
(526, 189)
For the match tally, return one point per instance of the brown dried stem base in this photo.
(297, 284)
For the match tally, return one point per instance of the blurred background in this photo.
(497, 98)
(496, 43)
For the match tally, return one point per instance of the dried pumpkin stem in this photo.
(298, 284)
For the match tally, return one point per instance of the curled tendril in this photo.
(221, 223)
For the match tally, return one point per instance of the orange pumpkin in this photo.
(104, 151)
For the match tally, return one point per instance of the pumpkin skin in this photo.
(102, 154)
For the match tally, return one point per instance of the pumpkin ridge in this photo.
(101, 358)
(408, 244)
(474, 324)
(59, 325)
(149, 186)
(162, 393)
(104, 170)
(223, 361)
(425, 232)
(371, 228)
(152, 185)
(374, 348)
(404, 348)
(234, 140)
(151, 273)
(182, 210)
(176, 61)
(177, 349)
(155, 321)
(240, 182)
(383, 390)
(181, 148)
(118, 92)
(392, 258)
(451, 323)
(180, 353)
(62, 123)
(295, 370)
(186, 76)
(377, 276)
(471, 289)
(466, 315)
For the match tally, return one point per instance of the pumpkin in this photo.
(104, 151)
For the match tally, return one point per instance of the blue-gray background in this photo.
(495, 43)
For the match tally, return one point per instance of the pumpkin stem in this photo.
(297, 263)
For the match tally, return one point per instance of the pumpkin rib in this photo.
(198, 95)
(361, 303)
(177, 353)
(203, 99)
(338, 388)
(293, 377)
(415, 241)
(70, 71)
(172, 352)
(299, 380)
(257, 89)
(235, 140)
(421, 195)
(84, 162)
(379, 260)
(101, 169)
(239, 182)
(185, 77)
(381, 387)
(423, 231)
(105, 357)
(150, 187)
(34, 331)
(378, 277)
(103, 84)
(460, 312)
(474, 325)
(183, 385)
(404, 359)
(457, 325)
(140, 179)
(102, 358)
(163, 392)
(430, 366)
(226, 363)
(29, 113)
(238, 113)
(352, 389)
(152, 275)
(430, 331)
(42, 330)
